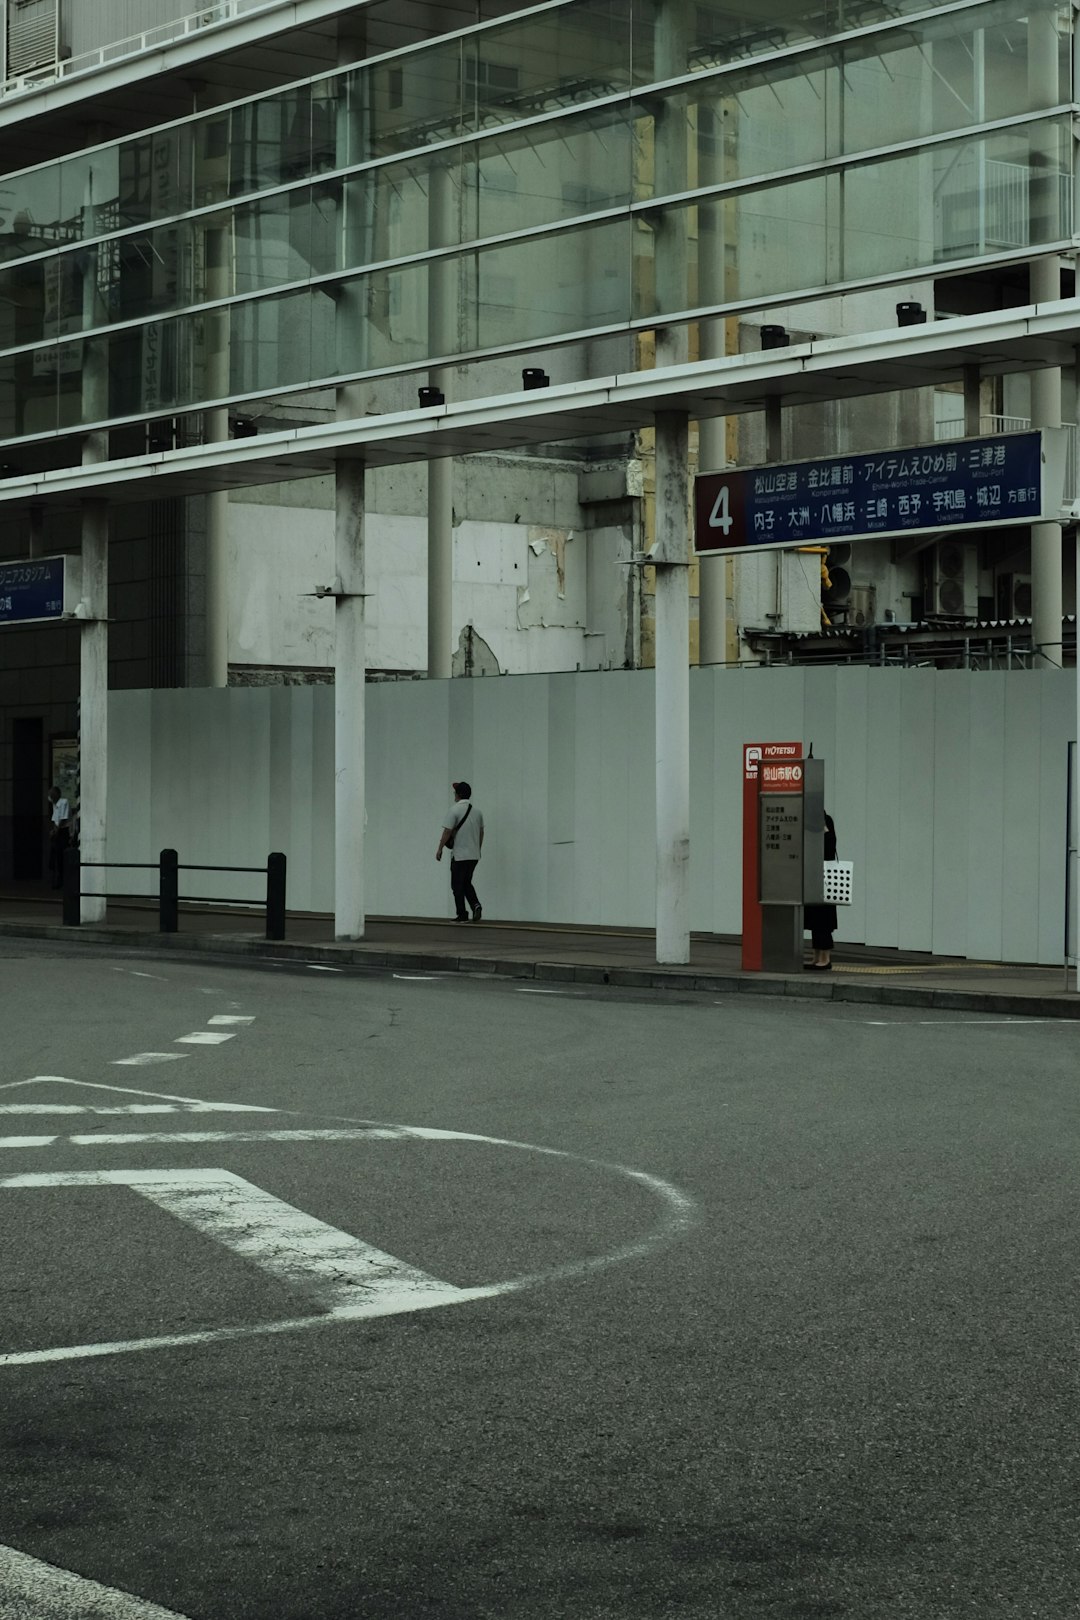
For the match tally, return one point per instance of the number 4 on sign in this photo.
(720, 517)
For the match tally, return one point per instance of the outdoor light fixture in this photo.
(775, 337)
(430, 396)
(910, 314)
(533, 377)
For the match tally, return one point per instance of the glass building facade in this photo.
(581, 168)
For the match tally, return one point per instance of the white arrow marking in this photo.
(31, 1590)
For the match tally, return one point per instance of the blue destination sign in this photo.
(951, 485)
(32, 590)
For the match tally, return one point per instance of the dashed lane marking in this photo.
(27, 1141)
(316, 967)
(204, 1037)
(231, 1018)
(143, 1060)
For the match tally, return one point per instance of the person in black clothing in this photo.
(821, 920)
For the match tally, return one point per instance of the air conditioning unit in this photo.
(1014, 596)
(951, 580)
(862, 607)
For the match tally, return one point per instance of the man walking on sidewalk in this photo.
(463, 835)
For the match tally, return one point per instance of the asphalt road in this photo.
(649, 1305)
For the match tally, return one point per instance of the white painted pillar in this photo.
(94, 699)
(672, 690)
(350, 667)
(440, 579)
(442, 326)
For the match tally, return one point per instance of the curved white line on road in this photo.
(680, 1213)
(32, 1590)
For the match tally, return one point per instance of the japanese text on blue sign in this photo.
(31, 590)
(968, 481)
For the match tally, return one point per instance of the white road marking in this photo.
(27, 1141)
(681, 1211)
(418, 978)
(230, 1018)
(143, 1060)
(527, 990)
(336, 1269)
(204, 1037)
(356, 1134)
(1017, 1020)
(135, 1108)
(31, 1590)
(926, 1023)
(134, 1091)
(317, 967)
(135, 974)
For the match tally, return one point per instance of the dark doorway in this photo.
(27, 799)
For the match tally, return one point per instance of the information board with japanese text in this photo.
(980, 483)
(32, 590)
(781, 881)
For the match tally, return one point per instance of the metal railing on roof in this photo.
(1019, 424)
(212, 15)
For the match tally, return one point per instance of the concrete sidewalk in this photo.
(624, 957)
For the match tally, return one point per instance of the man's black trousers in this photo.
(461, 876)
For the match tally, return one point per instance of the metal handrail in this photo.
(169, 868)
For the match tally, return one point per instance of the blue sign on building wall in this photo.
(32, 590)
(954, 484)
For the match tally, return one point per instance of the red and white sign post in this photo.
(767, 768)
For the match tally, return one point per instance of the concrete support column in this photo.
(350, 668)
(672, 690)
(216, 428)
(94, 698)
(217, 567)
(442, 328)
(972, 401)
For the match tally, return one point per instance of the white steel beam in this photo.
(998, 343)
